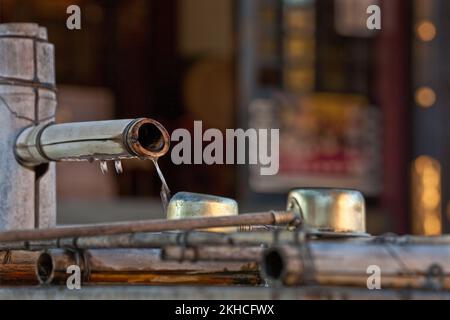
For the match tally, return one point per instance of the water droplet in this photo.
(165, 191)
(104, 167)
(118, 166)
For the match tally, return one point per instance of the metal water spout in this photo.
(31, 142)
(93, 140)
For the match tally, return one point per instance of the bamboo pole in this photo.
(37, 245)
(154, 240)
(94, 140)
(349, 263)
(157, 225)
(157, 240)
(212, 253)
(18, 267)
(141, 266)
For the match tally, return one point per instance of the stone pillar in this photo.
(27, 98)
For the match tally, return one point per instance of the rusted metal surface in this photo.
(27, 98)
(18, 267)
(157, 225)
(148, 138)
(347, 263)
(212, 253)
(95, 140)
(216, 293)
(145, 266)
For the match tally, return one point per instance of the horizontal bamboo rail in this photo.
(18, 267)
(140, 266)
(157, 225)
(351, 263)
(158, 240)
(196, 238)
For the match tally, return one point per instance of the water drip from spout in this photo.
(165, 191)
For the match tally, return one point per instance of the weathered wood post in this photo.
(27, 98)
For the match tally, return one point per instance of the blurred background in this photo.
(356, 108)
